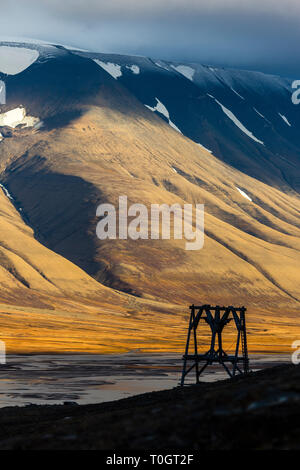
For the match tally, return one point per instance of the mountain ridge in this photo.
(99, 140)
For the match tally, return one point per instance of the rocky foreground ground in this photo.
(260, 411)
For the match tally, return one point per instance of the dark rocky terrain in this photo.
(260, 411)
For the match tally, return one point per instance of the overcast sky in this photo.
(255, 34)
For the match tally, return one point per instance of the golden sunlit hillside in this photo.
(63, 289)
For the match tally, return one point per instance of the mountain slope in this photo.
(199, 98)
(97, 140)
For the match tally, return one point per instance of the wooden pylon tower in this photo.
(217, 318)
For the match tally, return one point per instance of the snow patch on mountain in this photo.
(204, 148)
(134, 69)
(261, 115)
(73, 48)
(245, 195)
(234, 91)
(14, 60)
(22, 39)
(6, 192)
(158, 64)
(236, 121)
(113, 69)
(174, 126)
(16, 117)
(185, 70)
(285, 119)
(160, 108)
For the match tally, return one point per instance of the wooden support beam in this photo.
(217, 318)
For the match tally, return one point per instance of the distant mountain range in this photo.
(81, 128)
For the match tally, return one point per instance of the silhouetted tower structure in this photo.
(217, 318)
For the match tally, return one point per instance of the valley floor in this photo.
(260, 411)
(140, 325)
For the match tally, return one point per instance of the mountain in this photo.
(247, 119)
(79, 129)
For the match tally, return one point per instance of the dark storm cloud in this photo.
(259, 34)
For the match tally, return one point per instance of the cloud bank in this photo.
(258, 34)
